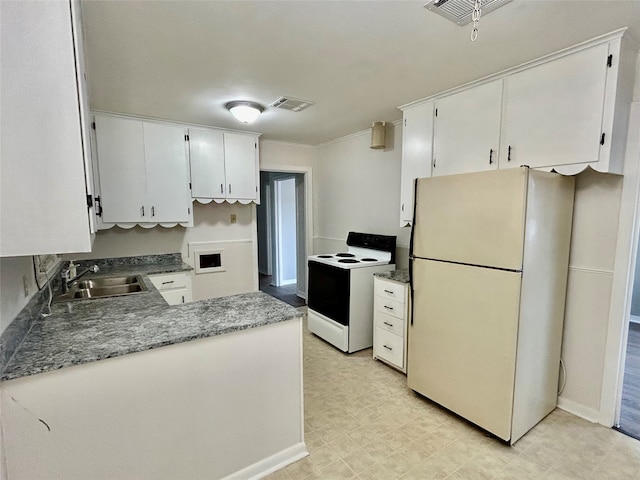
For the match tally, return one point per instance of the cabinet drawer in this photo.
(176, 297)
(389, 322)
(391, 290)
(389, 346)
(390, 307)
(169, 281)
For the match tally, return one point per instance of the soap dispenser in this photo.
(72, 270)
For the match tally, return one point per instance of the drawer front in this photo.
(390, 347)
(391, 290)
(389, 323)
(169, 281)
(390, 307)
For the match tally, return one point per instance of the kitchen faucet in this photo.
(66, 274)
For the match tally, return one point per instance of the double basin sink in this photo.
(101, 287)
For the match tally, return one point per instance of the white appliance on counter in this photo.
(340, 292)
(488, 269)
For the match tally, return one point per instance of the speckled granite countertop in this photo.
(401, 276)
(88, 330)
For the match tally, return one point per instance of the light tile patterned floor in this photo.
(363, 423)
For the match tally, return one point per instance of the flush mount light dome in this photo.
(244, 111)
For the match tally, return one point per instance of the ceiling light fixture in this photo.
(244, 111)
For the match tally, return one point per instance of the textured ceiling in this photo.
(358, 61)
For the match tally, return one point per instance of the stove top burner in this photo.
(345, 255)
(325, 256)
(368, 259)
(348, 260)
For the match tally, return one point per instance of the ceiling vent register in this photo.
(461, 11)
(293, 104)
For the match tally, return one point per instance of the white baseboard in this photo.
(579, 410)
(634, 319)
(271, 464)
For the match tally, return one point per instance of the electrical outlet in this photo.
(234, 218)
(25, 285)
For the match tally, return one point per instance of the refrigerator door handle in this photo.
(411, 287)
(413, 229)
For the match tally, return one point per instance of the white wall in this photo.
(358, 189)
(12, 298)
(211, 224)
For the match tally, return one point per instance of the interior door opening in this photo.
(630, 403)
(281, 223)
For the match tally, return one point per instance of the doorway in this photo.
(630, 407)
(282, 235)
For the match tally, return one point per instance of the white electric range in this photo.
(340, 292)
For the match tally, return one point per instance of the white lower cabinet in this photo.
(390, 315)
(175, 288)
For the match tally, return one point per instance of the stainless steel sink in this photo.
(101, 287)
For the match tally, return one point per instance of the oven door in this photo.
(329, 289)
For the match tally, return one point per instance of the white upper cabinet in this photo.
(224, 166)
(206, 153)
(564, 112)
(553, 112)
(467, 130)
(143, 172)
(43, 194)
(417, 154)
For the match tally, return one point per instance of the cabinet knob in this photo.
(490, 156)
(229, 188)
(388, 348)
(388, 324)
(509, 153)
(221, 189)
(388, 307)
(390, 292)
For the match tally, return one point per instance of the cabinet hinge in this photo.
(602, 139)
(190, 188)
(89, 201)
(189, 211)
(405, 122)
(610, 60)
(255, 145)
(93, 125)
(186, 138)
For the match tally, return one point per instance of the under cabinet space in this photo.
(224, 166)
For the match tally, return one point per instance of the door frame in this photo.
(308, 215)
(621, 291)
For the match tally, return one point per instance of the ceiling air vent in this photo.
(459, 11)
(293, 104)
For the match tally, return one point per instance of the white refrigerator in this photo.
(488, 269)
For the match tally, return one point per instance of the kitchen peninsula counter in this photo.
(88, 393)
(88, 330)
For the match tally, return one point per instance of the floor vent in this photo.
(459, 11)
(293, 104)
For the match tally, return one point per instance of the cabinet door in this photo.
(553, 112)
(467, 130)
(417, 153)
(167, 169)
(206, 153)
(42, 191)
(240, 155)
(123, 185)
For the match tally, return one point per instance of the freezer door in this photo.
(462, 340)
(475, 218)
